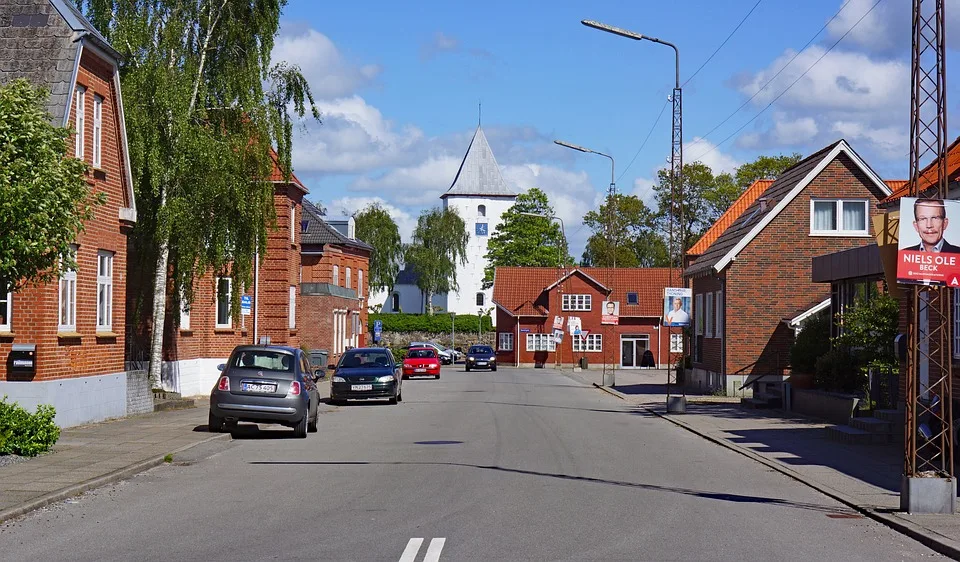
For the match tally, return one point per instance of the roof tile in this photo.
(928, 176)
(729, 216)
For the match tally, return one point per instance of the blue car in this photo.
(364, 373)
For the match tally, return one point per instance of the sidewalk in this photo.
(864, 477)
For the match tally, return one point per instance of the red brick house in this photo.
(335, 287)
(202, 335)
(752, 285)
(62, 343)
(529, 298)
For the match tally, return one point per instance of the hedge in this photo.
(439, 323)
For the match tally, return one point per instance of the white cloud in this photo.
(324, 67)
(406, 221)
(424, 181)
(882, 29)
(706, 152)
(891, 142)
(439, 43)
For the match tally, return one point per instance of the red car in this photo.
(421, 362)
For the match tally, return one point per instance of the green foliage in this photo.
(838, 370)
(764, 168)
(26, 434)
(869, 329)
(439, 246)
(376, 227)
(811, 343)
(437, 324)
(625, 233)
(44, 197)
(523, 240)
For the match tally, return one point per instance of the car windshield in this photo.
(264, 360)
(365, 358)
(422, 353)
(481, 349)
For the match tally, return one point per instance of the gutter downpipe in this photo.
(659, 346)
(723, 339)
(256, 292)
(516, 345)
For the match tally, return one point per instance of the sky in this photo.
(401, 87)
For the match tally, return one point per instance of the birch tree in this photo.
(439, 246)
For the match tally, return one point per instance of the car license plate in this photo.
(481, 363)
(249, 387)
(361, 387)
(419, 370)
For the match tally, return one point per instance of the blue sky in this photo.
(399, 86)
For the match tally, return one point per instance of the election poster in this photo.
(925, 252)
(610, 313)
(676, 306)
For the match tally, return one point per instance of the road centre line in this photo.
(413, 548)
(433, 551)
(410, 553)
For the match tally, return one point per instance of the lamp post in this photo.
(611, 191)
(674, 404)
(479, 325)
(453, 333)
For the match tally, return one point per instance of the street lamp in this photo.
(563, 232)
(611, 192)
(453, 334)
(676, 168)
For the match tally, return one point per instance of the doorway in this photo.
(632, 349)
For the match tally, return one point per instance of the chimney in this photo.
(765, 203)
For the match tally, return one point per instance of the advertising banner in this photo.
(574, 325)
(676, 306)
(558, 322)
(925, 254)
(558, 336)
(610, 313)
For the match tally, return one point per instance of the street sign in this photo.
(584, 333)
(246, 305)
(377, 330)
(524, 330)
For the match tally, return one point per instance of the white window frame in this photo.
(80, 119)
(184, 313)
(336, 275)
(360, 283)
(576, 302)
(698, 314)
(292, 311)
(593, 343)
(708, 317)
(216, 289)
(676, 343)
(97, 131)
(104, 289)
(840, 231)
(505, 341)
(7, 305)
(347, 278)
(293, 223)
(67, 311)
(541, 342)
(718, 315)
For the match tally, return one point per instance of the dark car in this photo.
(266, 384)
(481, 357)
(366, 372)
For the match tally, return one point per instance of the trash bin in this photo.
(583, 363)
(318, 358)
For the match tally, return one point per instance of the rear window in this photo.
(368, 358)
(264, 360)
(422, 353)
(481, 349)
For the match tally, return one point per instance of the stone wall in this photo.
(139, 395)
(463, 339)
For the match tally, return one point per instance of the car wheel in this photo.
(393, 401)
(467, 368)
(493, 368)
(436, 377)
(312, 424)
(400, 395)
(300, 430)
(214, 424)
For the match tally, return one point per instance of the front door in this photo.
(631, 350)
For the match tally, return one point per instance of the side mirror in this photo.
(318, 374)
(332, 367)
(221, 366)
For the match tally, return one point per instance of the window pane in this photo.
(824, 215)
(855, 215)
(223, 302)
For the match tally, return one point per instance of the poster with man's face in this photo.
(926, 252)
(610, 312)
(676, 306)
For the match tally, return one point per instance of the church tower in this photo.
(480, 196)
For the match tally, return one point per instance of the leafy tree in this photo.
(811, 343)
(868, 328)
(764, 168)
(439, 246)
(44, 197)
(523, 240)
(203, 108)
(376, 227)
(625, 234)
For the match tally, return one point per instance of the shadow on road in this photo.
(441, 402)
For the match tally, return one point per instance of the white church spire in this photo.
(479, 173)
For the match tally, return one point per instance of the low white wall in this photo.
(77, 401)
(191, 377)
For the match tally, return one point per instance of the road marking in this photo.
(410, 553)
(413, 548)
(433, 551)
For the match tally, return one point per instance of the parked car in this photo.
(481, 357)
(446, 357)
(366, 372)
(266, 384)
(456, 355)
(421, 362)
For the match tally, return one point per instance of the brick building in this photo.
(754, 280)
(336, 268)
(202, 335)
(529, 298)
(74, 327)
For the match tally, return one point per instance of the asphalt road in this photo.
(515, 465)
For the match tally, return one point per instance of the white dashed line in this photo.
(433, 551)
(413, 548)
(410, 553)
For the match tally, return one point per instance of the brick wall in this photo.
(712, 347)
(35, 317)
(316, 314)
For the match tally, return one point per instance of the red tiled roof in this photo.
(729, 216)
(928, 176)
(517, 289)
(276, 174)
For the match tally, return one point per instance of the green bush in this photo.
(839, 371)
(26, 434)
(811, 343)
(439, 323)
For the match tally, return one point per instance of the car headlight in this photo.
(493, 359)
(386, 378)
(339, 379)
(470, 359)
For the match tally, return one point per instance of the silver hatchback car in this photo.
(266, 384)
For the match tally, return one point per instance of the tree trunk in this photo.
(429, 295)
(159, 315)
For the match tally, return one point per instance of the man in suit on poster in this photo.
(930, 221)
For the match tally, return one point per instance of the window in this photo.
(80, 120)
(592, 343)
(68, 298)
(104, 291)
(505, 341)
(698, 314)
(481, 210)
(97, 130)
(633, 298)
(293, 222)
(845, 217)
(184, 313)
(541, 342)
(708, 317)
(676, 343)
(6, 308)
(359, 282)
(224, 319)
(336, 275)
(577, 302)
(718, 332)
(395, 302)
(479, 299)
(292, 312)
(347, 284)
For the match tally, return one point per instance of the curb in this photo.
(934, 541)
(99, 481)
(609, 391)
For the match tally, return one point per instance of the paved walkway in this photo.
(865, 477)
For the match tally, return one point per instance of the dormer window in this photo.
(481, 210)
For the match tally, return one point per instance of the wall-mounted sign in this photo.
(524, 330)
(481, 229)
(246, 305)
